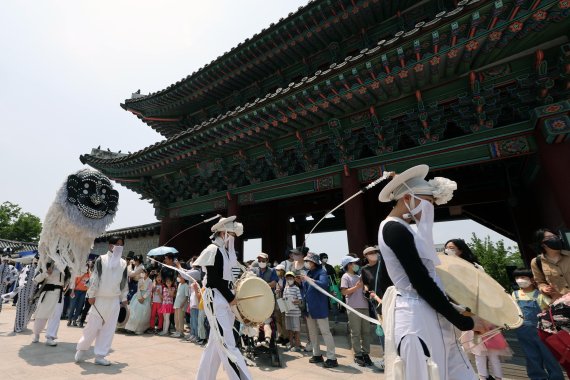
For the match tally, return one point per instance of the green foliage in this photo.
(18, 225)
(495, 257)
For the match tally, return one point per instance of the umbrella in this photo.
(159, 251)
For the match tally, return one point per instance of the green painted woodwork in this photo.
(427, 95)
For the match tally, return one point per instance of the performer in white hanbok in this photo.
(50, 303)
(8, 274)
(419, 320)
(218, 259)
(139, 317)
(25, 291)
(108, 289)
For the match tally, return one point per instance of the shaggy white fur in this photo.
(67, 235)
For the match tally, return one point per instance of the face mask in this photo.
(373, 257)
(290, 282)
(117, 250)
(523, 283)
(307, 265)
(143, 276)
(262, 265)
(179, 279)
(324, 260)
(355, 268)
(275, 264)
(553, 243)
(450, 251)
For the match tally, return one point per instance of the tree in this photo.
(18, 225)
(495, 258)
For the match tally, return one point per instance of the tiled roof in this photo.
(18, 246)
(148, 229)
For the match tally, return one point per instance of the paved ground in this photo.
(147, 357)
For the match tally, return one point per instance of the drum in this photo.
(255, 300)
(475, 289)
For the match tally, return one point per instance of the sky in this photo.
(67, 65)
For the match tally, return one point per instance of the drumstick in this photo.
(248, 297)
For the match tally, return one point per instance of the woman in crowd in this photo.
(140, 306)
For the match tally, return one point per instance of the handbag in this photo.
(496, 342)
(559, 343)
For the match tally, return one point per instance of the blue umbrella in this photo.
(160, 251)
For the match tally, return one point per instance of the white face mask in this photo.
(179, 279)
(450, 252)
(324, 260)
(117, 250)
(143, 276)
(262, 265)
(424, 239)
(523, 283)
(275, 264)
(290, 282)
(307, 265)
(372, 258)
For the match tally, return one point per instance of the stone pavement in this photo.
(147, 357)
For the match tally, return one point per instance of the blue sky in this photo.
(66, 65)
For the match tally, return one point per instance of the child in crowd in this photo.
(156, 304)
(180, 306)
(351, 286)
(487, 351)
(540, 363)
(202, 331)
(168, 293)
(293, 316)
(194, 311)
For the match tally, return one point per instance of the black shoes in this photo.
(316, 359)
(69, 323)
(367, 360)
(330, 363)
(359, 359)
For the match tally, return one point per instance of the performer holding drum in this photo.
(419, 319)
(218, 259)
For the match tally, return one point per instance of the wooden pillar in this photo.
(274, 235)
(168, 228)
(299, 230)
(555, 161)
(234, 209)
(354, 214)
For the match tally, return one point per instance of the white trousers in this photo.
(415, 322)
(96, 330)
(494, 363)
(213, 355)
(52, 322)
(323, 326)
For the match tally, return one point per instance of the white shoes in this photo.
(79, 356)
(36, 339)
(51, 342)
(102, 361)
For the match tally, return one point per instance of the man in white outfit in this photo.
(218, 259)
(50, 304)
(108, 289)
(419, 320)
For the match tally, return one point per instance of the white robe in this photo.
(139, 317)
(108, 294)
(49, 299)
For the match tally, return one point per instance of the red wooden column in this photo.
(555, 161)
(234, 209)
(274, 239)
(354, 215)
(168, 228)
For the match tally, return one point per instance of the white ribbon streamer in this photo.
(311, 282)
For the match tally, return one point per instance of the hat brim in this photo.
(399, 179)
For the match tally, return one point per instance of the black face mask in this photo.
(553, 243)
